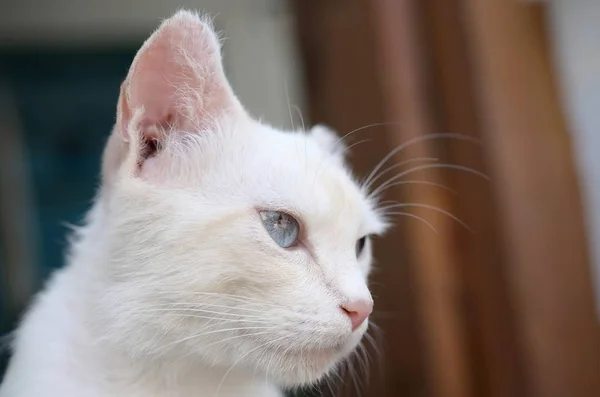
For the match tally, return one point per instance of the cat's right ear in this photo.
(329, 140)
(175, 86)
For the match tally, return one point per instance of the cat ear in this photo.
(328, 139)
(176, 83)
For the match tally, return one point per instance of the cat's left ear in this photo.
(176, 83)
(329, 140)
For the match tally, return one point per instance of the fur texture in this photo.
(173, 287)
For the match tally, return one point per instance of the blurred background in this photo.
(509, 306)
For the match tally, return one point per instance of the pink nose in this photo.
(357, 311)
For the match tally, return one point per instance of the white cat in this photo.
(222, 257)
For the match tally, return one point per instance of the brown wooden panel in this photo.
(404, 83)
(538, 200)
(494, 348)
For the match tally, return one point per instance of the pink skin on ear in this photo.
(177, 78)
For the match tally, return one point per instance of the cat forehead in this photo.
(290, 171)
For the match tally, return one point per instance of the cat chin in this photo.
(302, 367)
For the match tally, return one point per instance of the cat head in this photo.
(228, 242)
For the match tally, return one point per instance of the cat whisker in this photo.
(269, 366)
(375, 341)
(242, 357)
(385, 202)
(194, 315)
(381, 188)
(343, 373)
(433, 208)
(300, 116)
(341, 381)
(189, 309)
(328, 383)
(258, 360)
(409, 215)
(347, 148)
(364, 127)
(413, 141)
(367, 184)
(223, 340)
(287, 96)
(354, 376)
(187, 338)
(201, 305)
(362, 356)
(336, 372)
(362, 359)
(236, 298)
(412, 182)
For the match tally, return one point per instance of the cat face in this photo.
(229, 242)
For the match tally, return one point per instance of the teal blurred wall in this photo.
(66, 102)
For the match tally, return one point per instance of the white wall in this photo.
(263, 65)
(102, 20)
(576, 32)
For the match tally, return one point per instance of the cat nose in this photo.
(357, 311)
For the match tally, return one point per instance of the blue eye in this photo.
(282, 228)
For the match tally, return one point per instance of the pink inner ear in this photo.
(177, 76)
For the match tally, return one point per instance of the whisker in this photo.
(235, 298)
(353, 374)
(194, 315)
(363, 361)
(411, 182)
(216, 332)
(242, 357)
(383, 204)
(188, 309)
(381, 188)
(409, 215)
(367, 183)
(339, 373)
(347, 148)
(415, 140)
(300, 115)
(376, 348)
(231, 338)
(328, 383)
(202, 304)
(363, 128)
(433, 208)
(269, 365)
(287, 96)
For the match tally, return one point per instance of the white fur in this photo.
(173, 287)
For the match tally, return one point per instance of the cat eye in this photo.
(360, 245)
(282, 228)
